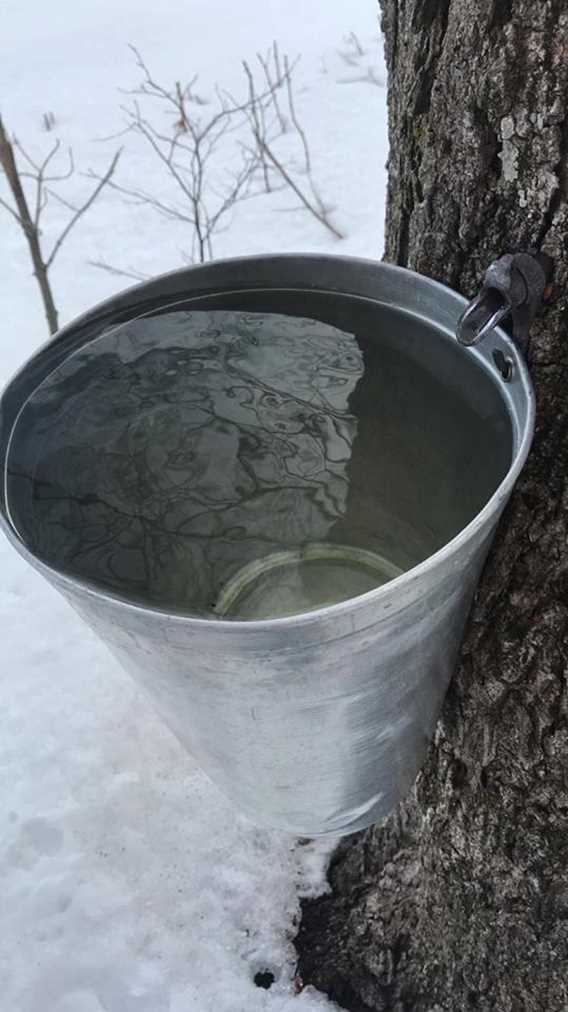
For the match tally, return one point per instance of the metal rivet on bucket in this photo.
(270, 484)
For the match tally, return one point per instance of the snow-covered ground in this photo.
(127, 883)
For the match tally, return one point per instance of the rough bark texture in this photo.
(460, 902)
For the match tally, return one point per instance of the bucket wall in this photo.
(315, 723)
(319, 728)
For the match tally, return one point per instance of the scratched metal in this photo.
(219, 415)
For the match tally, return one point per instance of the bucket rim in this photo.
(344, 609)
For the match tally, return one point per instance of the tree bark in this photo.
(460, 901)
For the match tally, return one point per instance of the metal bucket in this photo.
(178, 461)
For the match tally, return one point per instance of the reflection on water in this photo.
(178, 448)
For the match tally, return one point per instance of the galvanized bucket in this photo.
(269, 484)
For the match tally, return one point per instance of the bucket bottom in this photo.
(301, 580)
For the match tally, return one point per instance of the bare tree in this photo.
(28, 210)
(195, 146)
(188, 149)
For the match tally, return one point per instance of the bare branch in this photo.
(353, 40)
(236, 193)
(38, 173)
(149, 86)
(259, 127)
(371, 77)
(182, 123)
(294, 117)
(190, 150)
(4, 203)
(112, 137)
(273, 85)
(152, 137)
(141, 197)
(60, 199)
(43, 200)
(82, 209)
(27, 224)
(319, 214)
(352, 61)
(64, 175)
(51, 154)
(276, 56)
(119, 272)
(27, 157)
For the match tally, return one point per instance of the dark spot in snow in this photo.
(264, 978)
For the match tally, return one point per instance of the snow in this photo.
(128, 883)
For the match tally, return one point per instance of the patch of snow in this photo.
(128, 883)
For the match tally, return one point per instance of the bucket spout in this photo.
(514, 285)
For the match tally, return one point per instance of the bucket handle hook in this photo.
(514, 285)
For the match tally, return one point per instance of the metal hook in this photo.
(514, 285)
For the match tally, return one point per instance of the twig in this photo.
(273, 85)
(318, 214)
(294, 117)
(182, 123)
(354, 40)
(81, 210)
(60, 199)
(276, 57)
(5, 204)
(259, 126)
(371, 77)
(104, 266)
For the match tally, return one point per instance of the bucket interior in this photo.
(255, 454)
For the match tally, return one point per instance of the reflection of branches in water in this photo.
(186, 451)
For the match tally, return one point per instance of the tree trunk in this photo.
(29, 227)
(460, 901)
